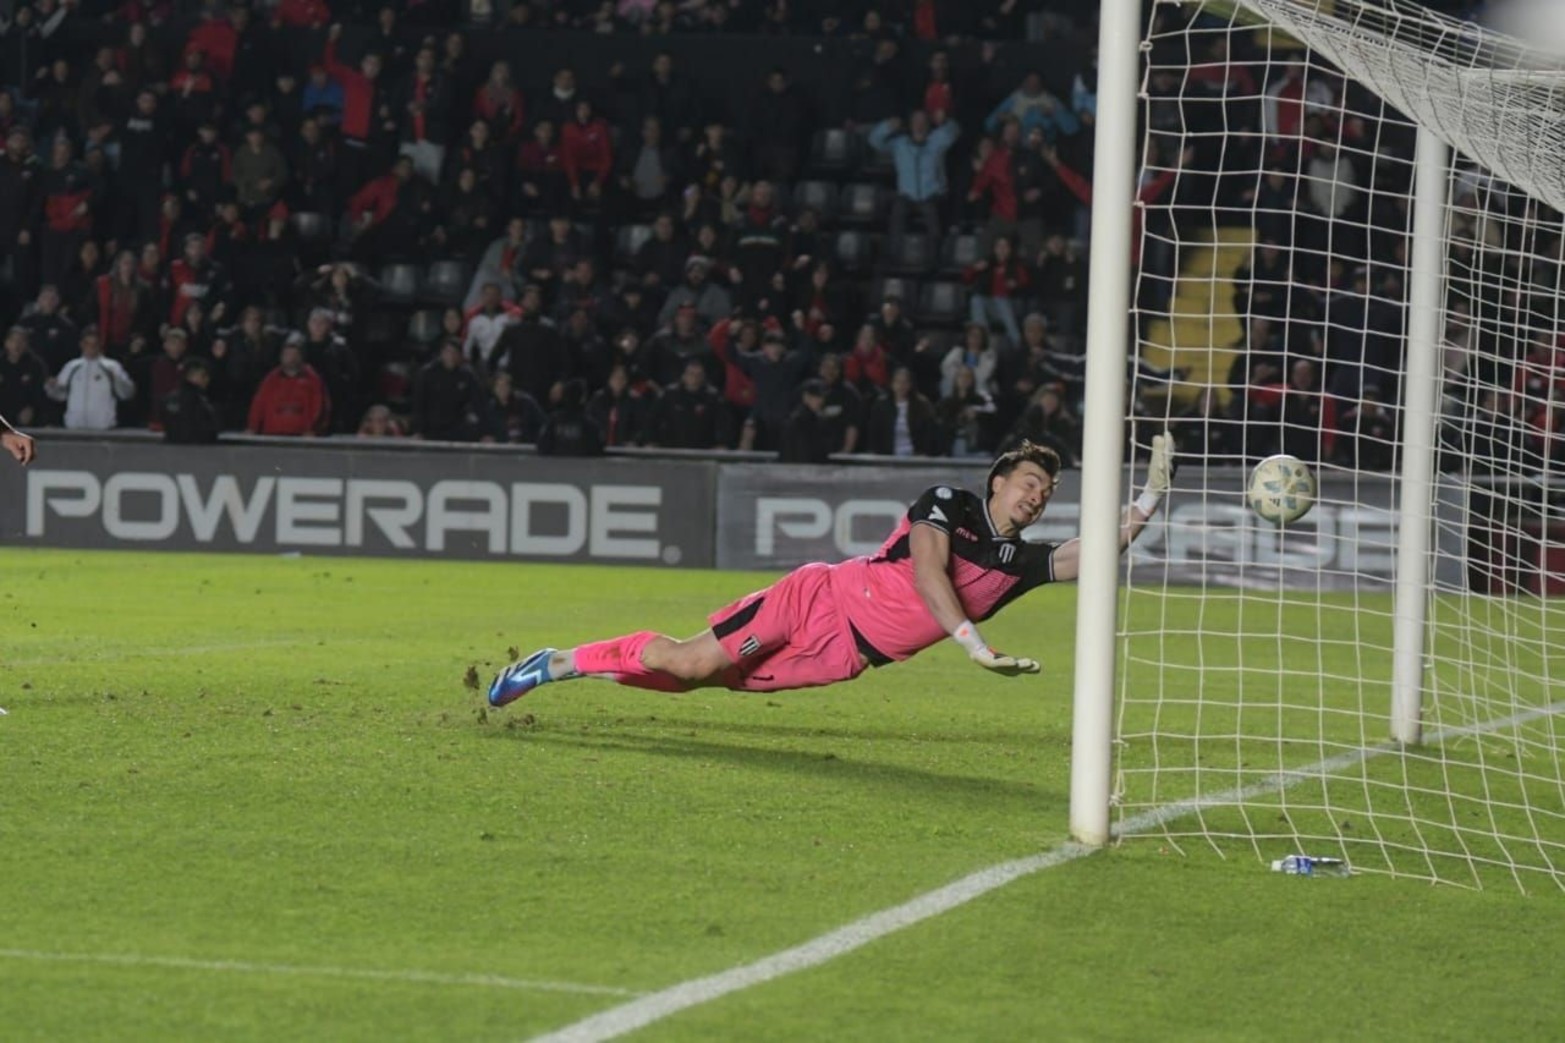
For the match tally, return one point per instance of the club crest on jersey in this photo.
(1007, 552)
(750, 646)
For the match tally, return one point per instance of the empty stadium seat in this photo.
(381, 330)
(833, 151)
(855, 251)
(446, 282)
(629, 239)
(820, 196)
(892, 286)
(399, 283)
(960, 251)
(942, 304)
(310, 227)
(862, 204)
(874, 163)
(912, 255)
(424, 327)
(312, 236)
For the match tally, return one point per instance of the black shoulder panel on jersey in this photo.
(934, 507)
(943, 506)
(902, 548)
(1035, 565)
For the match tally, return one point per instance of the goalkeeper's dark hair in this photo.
(1025, 453)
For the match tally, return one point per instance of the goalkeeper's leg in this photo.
(644, 660)
(795, 613)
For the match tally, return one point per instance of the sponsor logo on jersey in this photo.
(966, 534)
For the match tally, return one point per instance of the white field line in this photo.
(144, 652)
(489, 981)
(653, 1007)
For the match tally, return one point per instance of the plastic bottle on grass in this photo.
(1311, 865)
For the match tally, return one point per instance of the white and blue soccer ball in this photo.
(1282, 489)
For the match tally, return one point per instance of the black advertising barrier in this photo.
(464, 502)
(776, 516)
(345, 500)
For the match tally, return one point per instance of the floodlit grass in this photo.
(252, 799)
(1224, 691)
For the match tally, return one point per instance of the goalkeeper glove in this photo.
(1160, 474)
(966, 635)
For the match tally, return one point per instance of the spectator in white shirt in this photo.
(486, 321)
(91, 387)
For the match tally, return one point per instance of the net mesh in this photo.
(1273, 263)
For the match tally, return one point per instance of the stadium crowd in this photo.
(1319, 171)
(306, 219)
(252, 218)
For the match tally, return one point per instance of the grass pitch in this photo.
(252, 799)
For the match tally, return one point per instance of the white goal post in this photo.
(1361, 260)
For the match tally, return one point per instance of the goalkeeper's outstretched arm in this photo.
(1160, 476)
(16, 443)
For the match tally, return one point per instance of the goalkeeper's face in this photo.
(1020, 497)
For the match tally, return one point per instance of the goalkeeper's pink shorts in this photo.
(790, 635)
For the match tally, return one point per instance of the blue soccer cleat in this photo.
(521, 677)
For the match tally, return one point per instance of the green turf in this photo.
(271, 768)
(1223, 690)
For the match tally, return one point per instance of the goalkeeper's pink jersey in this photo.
(877, 594)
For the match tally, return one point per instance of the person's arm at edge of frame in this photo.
(16, 443)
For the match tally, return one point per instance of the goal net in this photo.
(1276, 258)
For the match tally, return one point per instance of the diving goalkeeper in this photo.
(955, 558)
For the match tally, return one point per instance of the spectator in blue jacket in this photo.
(919, 154)
(1036, 107)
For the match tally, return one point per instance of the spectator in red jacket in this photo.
(163, 375)
(361, 105)
(68, 191)
(192, 94)
(938, 96)
(587, 153)
(868, 366)
(729, 338)
(1149, 190)
(302, 14)
(995, 177)
(292, 398)
(426, 108)
(995, 282)
(216, 38)
(196, 277)
(542, 171)
(384, 216)
(124, 304)
(500, 104)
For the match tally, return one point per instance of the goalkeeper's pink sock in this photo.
(619, 659)
(656, 680)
